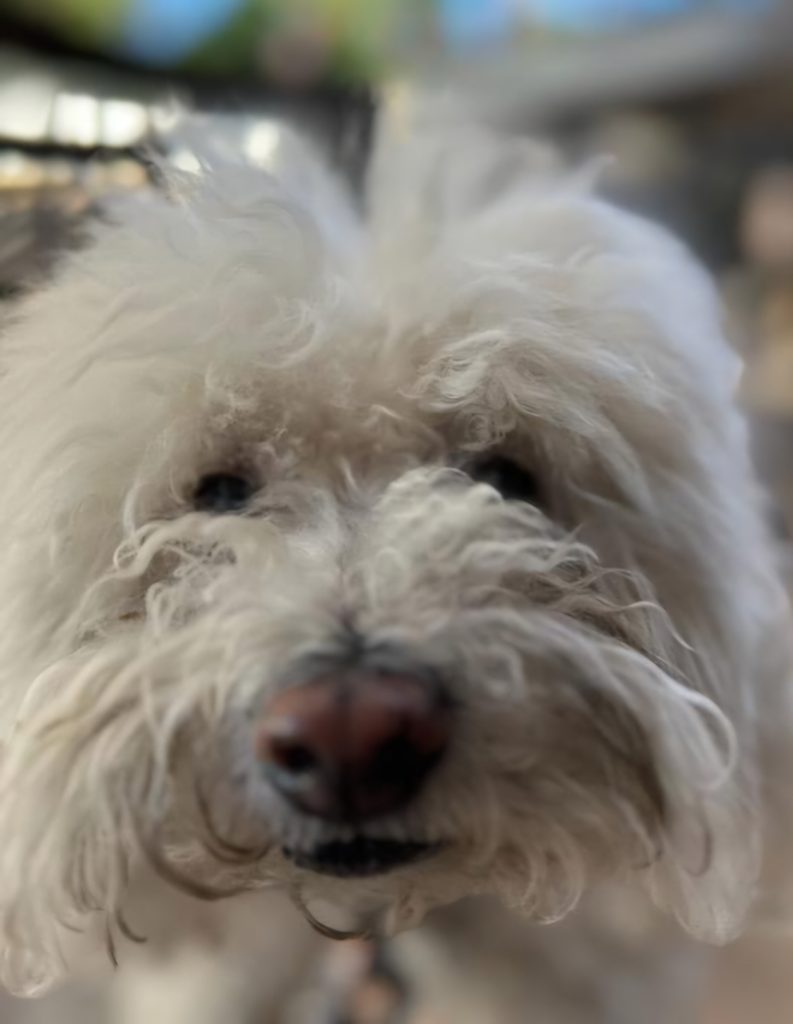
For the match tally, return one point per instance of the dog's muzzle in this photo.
(349, 747)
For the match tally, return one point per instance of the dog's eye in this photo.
(222, 492)
(512, 481)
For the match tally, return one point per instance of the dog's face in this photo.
(387, 581)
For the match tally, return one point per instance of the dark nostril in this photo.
(291, 756)
(352, 746)
(397, 761)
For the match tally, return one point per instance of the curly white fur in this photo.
(614, 653)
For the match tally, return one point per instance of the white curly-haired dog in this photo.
(391, 560)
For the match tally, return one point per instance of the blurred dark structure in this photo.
(77, 124)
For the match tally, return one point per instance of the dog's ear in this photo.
(728, 820)
(692, 798)
(689, 765)
(26, 973)
(708, 872)
(35, 946)
(708, 836)
(47, 924)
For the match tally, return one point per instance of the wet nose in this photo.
(349, 747)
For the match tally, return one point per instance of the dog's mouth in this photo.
(360, 857)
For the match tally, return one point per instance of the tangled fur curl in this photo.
(612, 648)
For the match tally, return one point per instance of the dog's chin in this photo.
(360, 857)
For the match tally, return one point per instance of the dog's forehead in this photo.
(201, 316)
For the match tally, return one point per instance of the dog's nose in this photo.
(352, 746)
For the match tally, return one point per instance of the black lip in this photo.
(359, 857)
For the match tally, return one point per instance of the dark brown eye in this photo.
(512, 481)
(221, 493)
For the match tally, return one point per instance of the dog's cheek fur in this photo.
(643, 398)
(519, 611)
(93, 774)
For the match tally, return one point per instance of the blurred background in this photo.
(693, 99)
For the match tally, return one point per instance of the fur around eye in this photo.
(221, 493)
(511, 480)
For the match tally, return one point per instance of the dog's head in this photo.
(390, 564)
